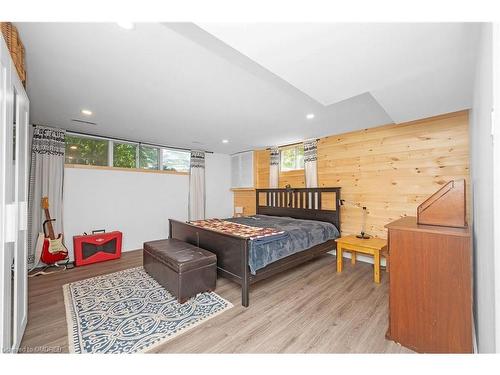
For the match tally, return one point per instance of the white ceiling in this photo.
(253, 84)
(397, 62)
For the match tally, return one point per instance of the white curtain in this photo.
(46, 180)
(311, 168)
(311, 163)
(274, 169)
(197, 186)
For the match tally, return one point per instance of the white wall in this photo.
(482, 194)
(138, 204)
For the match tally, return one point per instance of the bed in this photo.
(238, 258)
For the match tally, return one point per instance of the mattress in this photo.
(298, 235)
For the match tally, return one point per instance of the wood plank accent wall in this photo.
(262, 161)
(392, 169)
(389, 169)
(246, 199)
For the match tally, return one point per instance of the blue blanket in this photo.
(298, 235)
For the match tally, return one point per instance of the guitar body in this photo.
(54, 250)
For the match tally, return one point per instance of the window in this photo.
(292, 158)
(172, 160)
(124, 155)
(86, 150)
(148, 157)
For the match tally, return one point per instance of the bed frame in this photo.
(322, 204)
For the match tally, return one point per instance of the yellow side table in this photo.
(372, 246)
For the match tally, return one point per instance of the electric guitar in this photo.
(53, 249)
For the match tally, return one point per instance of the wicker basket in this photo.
(15, 47)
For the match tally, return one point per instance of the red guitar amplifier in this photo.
(97, 247)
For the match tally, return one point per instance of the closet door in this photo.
(20, 308)
(14, 107)
(242, 170)
(246, 178)
(7, 206)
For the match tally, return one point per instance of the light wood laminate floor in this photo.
(309, 309)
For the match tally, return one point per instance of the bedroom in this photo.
(199, 187)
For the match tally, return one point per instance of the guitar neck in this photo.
(50, 228)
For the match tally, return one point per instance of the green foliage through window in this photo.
(124, 155)
(94, 151)
(292, 158)
(148, 157)
(85, 150)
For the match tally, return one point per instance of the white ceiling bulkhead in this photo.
(190, 85)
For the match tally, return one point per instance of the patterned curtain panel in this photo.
(197, 186)
(46, 180)
(274, 170)
(311, 163)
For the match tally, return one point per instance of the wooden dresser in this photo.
(430, 298)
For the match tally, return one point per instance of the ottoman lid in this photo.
(179, 255)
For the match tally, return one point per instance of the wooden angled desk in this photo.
(372, 246)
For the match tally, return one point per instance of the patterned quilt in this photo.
(235, 229)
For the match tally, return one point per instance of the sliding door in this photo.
(14, 107)
(20, 289)
(6, 200)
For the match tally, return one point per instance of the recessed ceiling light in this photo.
(310, 116)
(73, 147)
(86, 112)
(225, 141)
(127, 25)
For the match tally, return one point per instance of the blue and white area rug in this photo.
(129, 312)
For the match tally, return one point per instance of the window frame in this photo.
(298, 166)
(162, 165)
(137, 168)
(111, 156)
(86, 137)
(138, 158)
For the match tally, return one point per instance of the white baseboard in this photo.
(359, 257)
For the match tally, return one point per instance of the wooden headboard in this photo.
(322, 204)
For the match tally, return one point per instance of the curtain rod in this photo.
(294, 144)
(129, 141)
